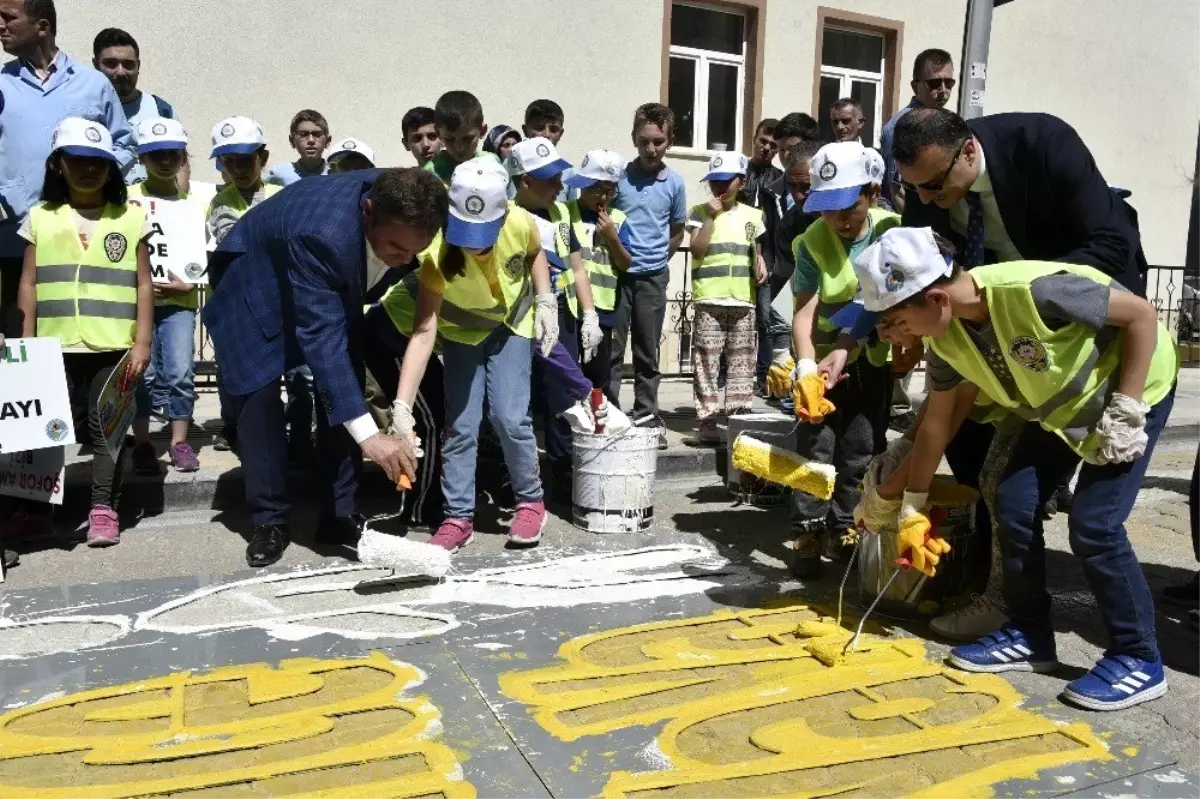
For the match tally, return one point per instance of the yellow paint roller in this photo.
(777, 465)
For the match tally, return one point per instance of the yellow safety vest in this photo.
(87, 297)
(230, 196)
(838, 283)
(1063, 377)
(727, 269)
(469, 311)
(596, 257)
(190, 300)
(564, 281)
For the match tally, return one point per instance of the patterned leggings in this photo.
(730, 331)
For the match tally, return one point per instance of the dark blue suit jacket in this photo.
(290, 284)
(1055, 203)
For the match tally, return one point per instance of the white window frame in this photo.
(846, 75)
(703, 59)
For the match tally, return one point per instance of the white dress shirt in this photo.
(364, 427)
(995, 235)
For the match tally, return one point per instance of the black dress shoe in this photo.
(340, 531)
(267, 545)
(11, 558)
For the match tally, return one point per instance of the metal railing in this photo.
(1176, 297)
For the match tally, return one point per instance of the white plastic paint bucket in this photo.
(614, 480)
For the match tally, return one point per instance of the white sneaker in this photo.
(971, 623)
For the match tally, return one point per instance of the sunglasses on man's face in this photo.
(937, 185)
(938, 83)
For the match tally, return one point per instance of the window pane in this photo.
(722, 106)
(852, 50)
(831, 92)
(706, 29)
(681, 98)
(864, 92)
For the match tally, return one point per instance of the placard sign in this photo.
(116, 407)
(177, 244)
(37, 474)
(35, 409)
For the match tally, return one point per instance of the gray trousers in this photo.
(641, 310)
(848, 439)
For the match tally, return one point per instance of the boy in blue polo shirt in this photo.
(309, 135)
(653, 198)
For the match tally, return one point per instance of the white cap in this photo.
(478, 203)
(350, 145)
(597, 166)
(160, 134)
(82, 137)
(237, 136)
(838, 173)
(902, 263)
(875, 165)
(537, 158)
(727, 166)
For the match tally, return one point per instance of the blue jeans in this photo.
(1104, 496)
(170, 378)
(774, 332)
(500, 369)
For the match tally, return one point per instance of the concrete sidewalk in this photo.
(219, 483)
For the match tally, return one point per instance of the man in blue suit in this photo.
(290, 282)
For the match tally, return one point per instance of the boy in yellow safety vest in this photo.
(239, 146)
(847, 427)
(1075, 367)
(728, 268)
(604, 241)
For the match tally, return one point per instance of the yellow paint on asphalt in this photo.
(326, 728)
(749, 711)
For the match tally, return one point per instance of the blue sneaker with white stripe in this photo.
(1007, 649)
(1118, 682)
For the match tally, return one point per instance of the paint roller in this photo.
(777, 465)
(410, 561)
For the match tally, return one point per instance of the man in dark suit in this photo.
(1010, 187)
(290, 282)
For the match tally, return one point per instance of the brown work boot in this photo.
(806, 554)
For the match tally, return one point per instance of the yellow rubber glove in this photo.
(808, 394)
(915, 539)
(779, 378)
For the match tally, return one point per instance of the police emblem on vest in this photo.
(1030, 353)
(115, 246)
(750, 233)
(564, 232)
(513, 267)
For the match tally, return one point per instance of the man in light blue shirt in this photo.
(933, 79)
(654, 199)
(116, 54)
(41, 87)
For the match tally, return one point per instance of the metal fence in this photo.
(1175, 296)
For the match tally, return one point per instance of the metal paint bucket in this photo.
(614, 481)
(773, 428)
(912, 593)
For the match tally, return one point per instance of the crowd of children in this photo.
(545, 272)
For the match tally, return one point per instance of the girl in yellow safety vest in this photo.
(86, 281)
(169, 382)
(1074, 367)
(726, 273)
(485, 288)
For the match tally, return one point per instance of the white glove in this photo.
(404, 425)
(781, 357)
(911, 504)
(1121, 431)
(804, 366)
(590, 335)
(545, 322)
(885, 463)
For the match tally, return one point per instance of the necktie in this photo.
(974, 254)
